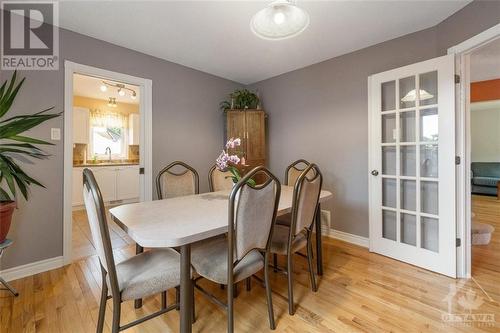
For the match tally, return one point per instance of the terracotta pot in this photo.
(6, 210)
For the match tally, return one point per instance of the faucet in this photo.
(108, 151)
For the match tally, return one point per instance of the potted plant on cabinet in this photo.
(13, 146)
(241, 100)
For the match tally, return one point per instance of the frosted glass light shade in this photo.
(279, 20)
(411, 96)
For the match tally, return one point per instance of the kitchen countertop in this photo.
(105, 164)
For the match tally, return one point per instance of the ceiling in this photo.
(485, 62)
(215, 37)
(89, 86)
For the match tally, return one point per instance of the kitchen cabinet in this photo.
(115, 183)
(134, 127)
(77, 186)
(81, 123)
(127, 182)
(106, 179)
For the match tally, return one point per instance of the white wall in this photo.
(485, 128)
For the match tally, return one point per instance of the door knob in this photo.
(375, 172)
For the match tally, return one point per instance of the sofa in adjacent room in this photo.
(485, 177)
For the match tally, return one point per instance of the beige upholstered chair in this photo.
(143, 275)
(172, 182)
(292, 173)
(219, 180)
(287, 240)
(294, 170)
(244, 252)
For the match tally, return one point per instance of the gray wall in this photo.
(320, 112)
(187, 125)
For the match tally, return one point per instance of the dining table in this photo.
(182, 221)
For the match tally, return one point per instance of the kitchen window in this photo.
(108, 130)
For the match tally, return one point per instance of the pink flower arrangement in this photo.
(227, 162)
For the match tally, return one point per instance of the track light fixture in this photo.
(122, 89)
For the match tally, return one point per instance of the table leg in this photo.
(138, 302)
(319, 251)
(9, 287)
(186, 290)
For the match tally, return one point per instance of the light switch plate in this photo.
(55, 134)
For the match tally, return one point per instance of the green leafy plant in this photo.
(241, 99)
(15, 146)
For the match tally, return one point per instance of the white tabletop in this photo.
(184, 220)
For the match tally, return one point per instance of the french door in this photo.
(412, 164)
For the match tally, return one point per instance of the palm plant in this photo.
(14, 145)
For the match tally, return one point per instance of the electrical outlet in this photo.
(55, 134)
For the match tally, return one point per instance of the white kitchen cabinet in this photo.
(115, 183)
(77, 186)
(81, 123)
(134, 127)
(127, 182)
(106, 179)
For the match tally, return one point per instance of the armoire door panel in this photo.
(255, 135)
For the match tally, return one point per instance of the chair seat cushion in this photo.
(279, 243)
(485, 181)
(209, 259)
(148, 273)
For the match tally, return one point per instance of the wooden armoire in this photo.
(250, 127)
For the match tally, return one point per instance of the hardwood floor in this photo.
(83, 245)
(359, 292)
(486, 258)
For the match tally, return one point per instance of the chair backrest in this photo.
(96, 215)
(306, 194)
(176, 180)
(294, 170)
(219, 180)
(252, 213)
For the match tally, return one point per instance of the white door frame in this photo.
(462, 53)
(145, 150)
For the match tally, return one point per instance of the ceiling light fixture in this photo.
(281, 19)
(121, 89)
(411, 96)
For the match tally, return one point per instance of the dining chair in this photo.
(219, 180)
(177, 179)
(292, 172)
(140, 276)
(287, 240)
(244, 252)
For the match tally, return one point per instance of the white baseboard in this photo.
(33, 268)
(347, 237)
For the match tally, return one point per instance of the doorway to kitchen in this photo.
(107, 129)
